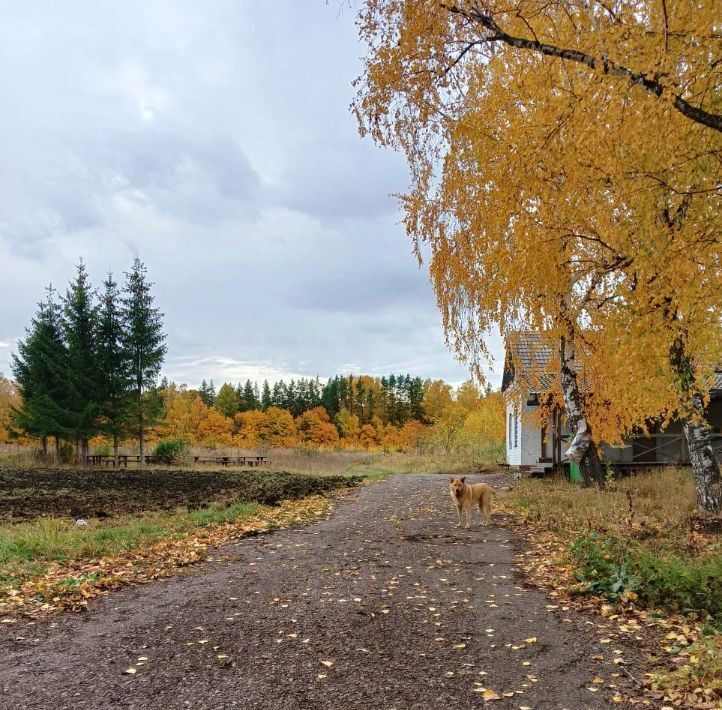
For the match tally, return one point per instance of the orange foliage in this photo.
(315, 427)
(9, 398)
(215, 429)
(246, 427)
(277, 428)
(183, 413)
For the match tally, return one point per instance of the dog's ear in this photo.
(463, 479)
(451, 479)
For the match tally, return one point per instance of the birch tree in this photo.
(545, 195)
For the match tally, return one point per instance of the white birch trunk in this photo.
(582, 450)
(704, 462)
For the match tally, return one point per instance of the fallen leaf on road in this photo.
(130, 671)
(328, 664)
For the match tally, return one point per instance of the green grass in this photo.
(28, 547)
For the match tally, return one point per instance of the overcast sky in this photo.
(214, 140)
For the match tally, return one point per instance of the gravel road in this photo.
(384, 605)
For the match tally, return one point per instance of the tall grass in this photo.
(322, 461)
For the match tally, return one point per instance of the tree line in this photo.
(87, 361)
(466, 420)
(393, 399)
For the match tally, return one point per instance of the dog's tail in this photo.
(501, 492)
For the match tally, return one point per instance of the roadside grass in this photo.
(27, 549)
(638, 545)
(637, 536)
(52, 564)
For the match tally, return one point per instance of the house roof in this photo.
(527, 360)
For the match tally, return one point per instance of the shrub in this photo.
(171, 451)
(604, 566)
(681, 584)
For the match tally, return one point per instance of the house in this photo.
(536, 444)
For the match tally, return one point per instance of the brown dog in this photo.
(465, 496)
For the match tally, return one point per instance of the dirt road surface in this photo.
(384, 605)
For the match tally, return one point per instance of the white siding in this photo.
(530, 441)
(513, 453)
(527, 450)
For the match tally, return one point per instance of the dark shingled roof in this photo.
(527, 358)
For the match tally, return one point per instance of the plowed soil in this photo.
(86, 493)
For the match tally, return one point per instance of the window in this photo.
(510, 425)
(516, 429)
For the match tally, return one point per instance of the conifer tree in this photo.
(144, 340)
(39, 370)
(249, 396)
(80, 322)
(265, 396)
(113, 364)
(205, 393)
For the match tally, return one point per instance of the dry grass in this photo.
(373, 464)
(656, 506)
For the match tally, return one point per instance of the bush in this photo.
(604, 566)
(171, 451)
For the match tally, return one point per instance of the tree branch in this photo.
(699, 115)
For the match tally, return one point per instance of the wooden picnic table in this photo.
(236, 460)
(123, 459)
(108, 460)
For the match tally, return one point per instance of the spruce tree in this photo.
(278, 397)
(241, 400)
(265, 396)
(82, 380)
(113, 364)
(39, 370)
(144, 340)
(204, 393)
(249, 396)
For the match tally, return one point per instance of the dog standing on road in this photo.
(466, 496)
